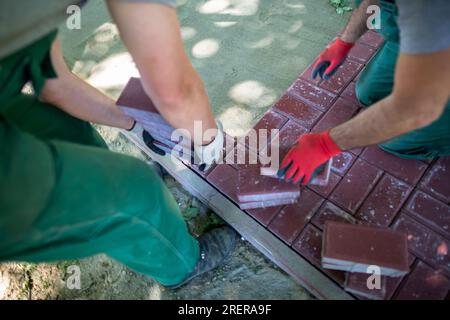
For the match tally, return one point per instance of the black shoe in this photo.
(215, 246)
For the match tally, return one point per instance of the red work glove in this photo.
(310, 151)
(331, 58)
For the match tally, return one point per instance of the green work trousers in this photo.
(376, 82)
(63, 195)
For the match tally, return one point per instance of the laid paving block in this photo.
(372, 38)
(298, 110)
(343, 76)
(342, 163)
(291, 220)
(384, 201)
(225, 178)
(270, 121)
(311, 94)
(309, 245)
(264, 215)
(356, 185)
(362, 53)
(424, 243)
(431, 212)
(350, 94)
(253, 187)
(387, 249)
(325, 189)
(437, 180)
(424, 283)
(341, 111)
(408, 170)
(241, 157)
(331, 212)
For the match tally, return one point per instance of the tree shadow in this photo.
(247, 51)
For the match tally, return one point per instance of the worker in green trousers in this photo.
(405, 87)
(63, 195)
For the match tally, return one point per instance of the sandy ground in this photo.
(247, 52)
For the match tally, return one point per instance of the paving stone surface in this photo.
(367, 186)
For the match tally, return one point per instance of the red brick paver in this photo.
(367, 186)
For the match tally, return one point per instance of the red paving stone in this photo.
(345, 74)
(311, 94)
(424, 283)
(350, 94)
(328, 188)
(367, 186)
(430, 212)
(437, 180)
(298, 110)
(372, 38)
(264, 215)
(381, 206)
(270, 121)
(287, 137)
(406, 169)
(331, 212)
(356, 185)
(309, 245)
(425, 244)
(290, 220)
(224, 177)
(361, 53)
(341, 111)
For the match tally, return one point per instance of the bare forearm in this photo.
(420, 94)
(151, 33)
(382, 121)
(187, 104)
(79, 99)
(357, 24)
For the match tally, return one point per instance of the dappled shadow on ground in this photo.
(247, 51)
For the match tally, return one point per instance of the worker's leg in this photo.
(60, 200)
(45, 121)
(376, 82)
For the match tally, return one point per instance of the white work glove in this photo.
(210, 153)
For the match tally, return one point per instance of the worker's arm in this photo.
(78, 98)
(420, 94)
(335, 54)
(151, 32)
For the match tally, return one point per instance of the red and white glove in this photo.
(331, 58)
(310, 151)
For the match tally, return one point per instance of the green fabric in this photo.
(63, 195)
(376, 82)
